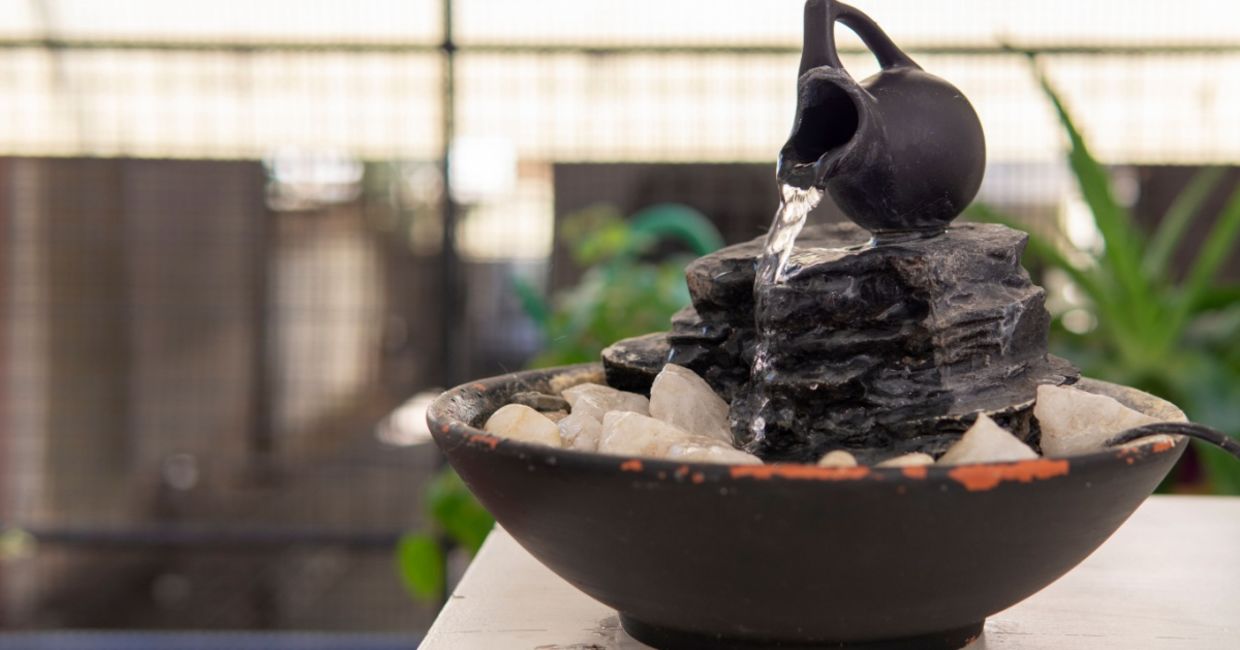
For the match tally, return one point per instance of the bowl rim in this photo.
(449, 432)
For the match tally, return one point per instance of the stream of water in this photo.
(794, 208)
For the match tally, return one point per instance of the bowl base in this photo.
(666, 638)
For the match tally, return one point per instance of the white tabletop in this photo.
(1170, 578)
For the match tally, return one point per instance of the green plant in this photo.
(458, 519)
(626, 290)
(1176, 338)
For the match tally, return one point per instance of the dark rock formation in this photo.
(893, 347)
(632, 364)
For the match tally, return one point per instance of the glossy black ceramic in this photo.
(900, 152)
(714, 556)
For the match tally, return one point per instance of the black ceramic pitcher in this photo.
(900, 152)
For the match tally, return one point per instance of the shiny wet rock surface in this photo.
(893, 347)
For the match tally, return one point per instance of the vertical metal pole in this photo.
(7, 430)
(262, 361)
(450, 321)
(450, 298)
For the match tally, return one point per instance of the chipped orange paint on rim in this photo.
(631, 465)
(490, 441)
(799, 472)
(1163, 445)
(1152, 447)
(916, 472)
(980, 478)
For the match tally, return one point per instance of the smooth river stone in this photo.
(837, 458)
(581, 432)
(708, 450)
(684, 400)
(1077, 422)
(915, 459)
(596, 400)
(632, 434)
(520, 422)
(626, 433)
(986, 442)
(720, 353)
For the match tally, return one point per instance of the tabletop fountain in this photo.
(855, 436)
(883, 337)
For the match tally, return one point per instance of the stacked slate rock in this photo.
(872, 348)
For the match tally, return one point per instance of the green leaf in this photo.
(678, 222)
(1212, 298)
(420, 563)
(1048, 252)
(1051, 254)
(1123, 249)
(532, 302)
(456, 511)
(609, 241)
(1221, 468)
(1219, 244)
(1179, 216)
(1119, 329)
(622, 294)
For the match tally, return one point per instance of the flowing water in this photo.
(794, 208)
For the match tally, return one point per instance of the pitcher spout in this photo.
(833, 122)
(900, 153)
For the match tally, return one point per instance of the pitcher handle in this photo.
(819, 50)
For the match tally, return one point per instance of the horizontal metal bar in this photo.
(233, 47)
(926, 48)
(204, 537)
(707, 49)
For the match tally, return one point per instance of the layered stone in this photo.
(894, 346)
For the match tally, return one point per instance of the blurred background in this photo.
(242, 242)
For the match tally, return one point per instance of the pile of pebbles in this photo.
(685, 420)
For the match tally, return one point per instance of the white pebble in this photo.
(632, 434)
(683, 399)
(837, 458)
(596, 400)
(986, 442)
(580, 432)
(1074, 421)
(520, 422)
(915, 459)
(708, 450)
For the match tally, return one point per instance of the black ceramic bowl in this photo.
(695, 555)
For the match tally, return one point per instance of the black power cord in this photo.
(1203, 433)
